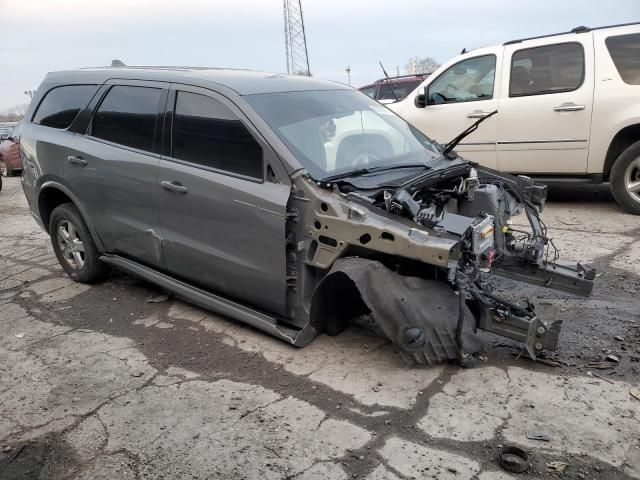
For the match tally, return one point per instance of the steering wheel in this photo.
(363, 157)
(437, 97)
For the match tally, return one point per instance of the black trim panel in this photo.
(216, 303)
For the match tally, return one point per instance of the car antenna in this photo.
(389, 80)
(467, 131)
(117, 63)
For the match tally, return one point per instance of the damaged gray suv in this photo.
(289, 203)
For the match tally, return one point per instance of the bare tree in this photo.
(421, 65)
(14, 114)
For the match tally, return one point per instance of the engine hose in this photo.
(465, 360)
(478, 297)
(462, 290)
(518, 310)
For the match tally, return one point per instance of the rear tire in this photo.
(625, 179)
(73, 245)
(5, 169)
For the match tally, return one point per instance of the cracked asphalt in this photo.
(98, 383)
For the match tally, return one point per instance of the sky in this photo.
(39, 36)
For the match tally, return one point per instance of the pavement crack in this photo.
(274, 451)
(395, 471)
(46, 339)
(258, 408)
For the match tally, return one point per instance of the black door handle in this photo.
(77, 161)
(176, 187)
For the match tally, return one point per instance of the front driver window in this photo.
(466, 81)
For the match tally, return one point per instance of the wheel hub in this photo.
(632, 179)
(70, 244)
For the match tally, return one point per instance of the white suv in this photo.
(568, 107)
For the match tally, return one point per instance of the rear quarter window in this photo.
(61, 105)
(625, 52)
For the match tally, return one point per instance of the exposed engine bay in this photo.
(479, 211)
(471, 208)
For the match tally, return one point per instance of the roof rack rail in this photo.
(580, 29)
(397, 77)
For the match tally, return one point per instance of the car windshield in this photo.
(334, 132)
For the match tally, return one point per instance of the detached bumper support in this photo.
(534, 333)
(577, 280)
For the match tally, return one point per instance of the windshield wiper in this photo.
(466, 132)
(381, 168)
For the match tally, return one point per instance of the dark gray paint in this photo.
(190, 231)
(242, 82)
(225, 233)
(118, 187)
(222, 231)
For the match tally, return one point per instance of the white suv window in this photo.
(625, 52)
(466, 81)
(548, 69)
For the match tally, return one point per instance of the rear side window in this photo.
(625, 52)
(369, 91)
(127, 116)
(548, 69)
(400, 90)
(61, 105)
(207, 133)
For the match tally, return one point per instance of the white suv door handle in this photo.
(477, 114)
(568, 107)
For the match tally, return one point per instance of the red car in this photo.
(10, 163)
(393, 89)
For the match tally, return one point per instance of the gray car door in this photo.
(114, 172)
(222, 207)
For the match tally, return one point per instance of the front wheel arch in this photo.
(335, 302)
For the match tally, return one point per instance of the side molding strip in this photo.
(215, 303)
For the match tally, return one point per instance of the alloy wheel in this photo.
(70, 244)
(632, 179)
